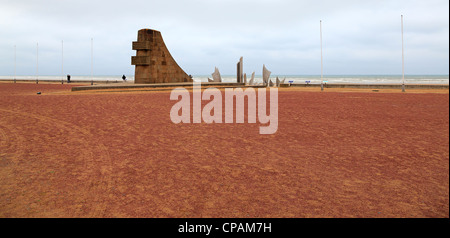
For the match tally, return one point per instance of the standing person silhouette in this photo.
(68, 78)
(124, 78)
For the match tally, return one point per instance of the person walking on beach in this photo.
(124, 78)
(68, 78)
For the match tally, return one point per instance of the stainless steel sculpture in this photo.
(216, 75)
(266, 75)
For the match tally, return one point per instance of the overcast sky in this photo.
(359, 37)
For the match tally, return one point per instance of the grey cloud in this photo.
(358, 36)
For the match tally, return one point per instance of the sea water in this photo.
(344, 79)
(300, 79)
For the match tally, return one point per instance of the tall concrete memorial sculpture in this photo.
(153, 61)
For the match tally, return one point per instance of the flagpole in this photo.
(403, 62)
(37, 62)
(15, 61)
(321, 58)
(92, 58)
(62, 60)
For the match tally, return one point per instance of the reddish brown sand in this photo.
(352, 154)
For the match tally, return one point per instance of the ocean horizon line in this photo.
(231, 75)
(297, 79)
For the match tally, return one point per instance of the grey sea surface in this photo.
(298, 79)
